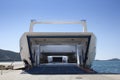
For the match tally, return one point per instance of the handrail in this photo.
(82, 22)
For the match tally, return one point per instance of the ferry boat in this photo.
(37, 48)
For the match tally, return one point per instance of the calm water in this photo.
(106, 66)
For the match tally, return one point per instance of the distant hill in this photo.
(6, 55)
(114, 59)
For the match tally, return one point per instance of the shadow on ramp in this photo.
(56, 69)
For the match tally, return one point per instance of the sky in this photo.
(102, 16)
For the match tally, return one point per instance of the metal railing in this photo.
(82, 22)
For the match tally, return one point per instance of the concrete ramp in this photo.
(56, 69)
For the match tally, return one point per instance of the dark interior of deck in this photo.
(56, 69)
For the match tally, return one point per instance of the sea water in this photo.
(106, 66)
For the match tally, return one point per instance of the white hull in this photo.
(82, 45)
(68, 47)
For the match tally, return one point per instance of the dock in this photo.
(18, 75)
(37, 74)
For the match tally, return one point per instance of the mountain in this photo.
(114, 59)
(6, 55)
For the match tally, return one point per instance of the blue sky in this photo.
(103, 19)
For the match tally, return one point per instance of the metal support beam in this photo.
(77, 51)
(82, 22)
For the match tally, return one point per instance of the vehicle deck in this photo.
(56, 68)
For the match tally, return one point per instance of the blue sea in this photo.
(106, 66)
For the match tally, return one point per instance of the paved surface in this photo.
(56, 69)
(22, 75)
(16, 75)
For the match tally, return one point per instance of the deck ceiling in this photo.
(58, 54)
(58, 40)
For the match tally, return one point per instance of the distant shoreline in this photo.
(113, 59)
(10, 56)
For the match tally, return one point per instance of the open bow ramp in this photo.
(56, 68)
(39, 48)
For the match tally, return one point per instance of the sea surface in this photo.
(105, 66)
(102, 66)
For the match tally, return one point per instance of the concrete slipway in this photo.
(18, 75)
